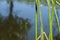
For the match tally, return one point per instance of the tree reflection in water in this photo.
(13, 30)
(57, 37)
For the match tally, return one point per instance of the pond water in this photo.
(27, 10)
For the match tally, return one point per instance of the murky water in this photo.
(27, 10)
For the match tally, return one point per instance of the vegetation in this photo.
(38, 11)
(11, 29)
(50, 17)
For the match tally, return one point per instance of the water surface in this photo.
(27, 10)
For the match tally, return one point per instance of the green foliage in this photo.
(50, 17)
(38, 11)
(57, 20)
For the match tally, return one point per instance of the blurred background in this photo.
(17, 19)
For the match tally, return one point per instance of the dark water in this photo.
(27, 10)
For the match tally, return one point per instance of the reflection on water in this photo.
(19, 23)
(12, 29)
(57, 37)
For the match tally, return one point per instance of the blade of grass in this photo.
(51, 18)
(57, 16)
(58, 3)
(38, 11)
(53, 11)
(41, 24)
(57, 20)
(36, 24)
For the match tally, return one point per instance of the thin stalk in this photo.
(38, 11)
(36, 24)
(51, 18)
(36, 28)
(57, 20)
(41, 24)
(53, 11)
(58, 3)
(57, 17)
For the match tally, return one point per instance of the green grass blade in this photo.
(58, 3)
(57, 20)
(51, 18)
(38, 11)
(36, 23)
(41, 24)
